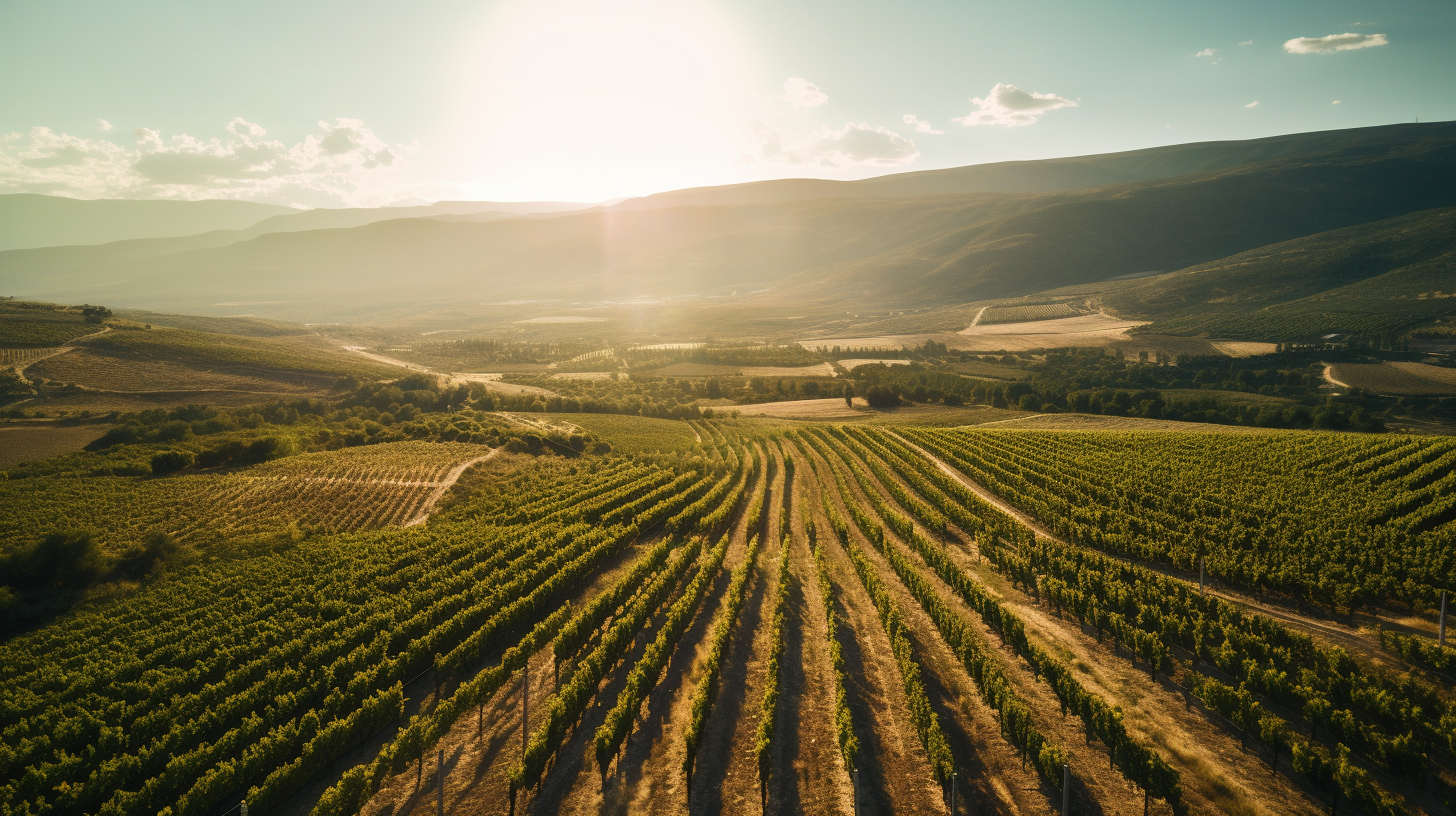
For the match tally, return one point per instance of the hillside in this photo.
(1371, 279)
(837, 253)
(1053, 175)
(30, 220)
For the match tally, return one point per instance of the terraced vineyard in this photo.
(744, 618)
(336, 491)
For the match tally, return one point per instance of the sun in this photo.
(591, 100)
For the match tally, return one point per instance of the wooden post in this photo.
(525, 696)
(440, 783)
(1441, 634)
(953, 780)
(244, 806)
(854, 795)
(1200, 575)
(1066, 789)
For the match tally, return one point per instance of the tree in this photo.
(848, 395)
(172, 461)
(63, 560)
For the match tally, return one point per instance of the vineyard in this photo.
(334, 491)
(1026, 314)
(735, 617)
(109, 372)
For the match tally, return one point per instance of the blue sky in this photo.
(363, 103)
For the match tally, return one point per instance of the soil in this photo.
(1217, 775)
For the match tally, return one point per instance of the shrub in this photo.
(172, 461)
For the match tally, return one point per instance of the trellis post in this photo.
(440, 783)
(1066, 789)
(1441, 634)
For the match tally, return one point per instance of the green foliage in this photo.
(648, 669)
(1333, 519)
(256, 673)
(171, 461)
(768, 705)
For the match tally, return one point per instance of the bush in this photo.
(879, 396)
(141, 558)
(267, 448)
(67, 560)
(172, 461)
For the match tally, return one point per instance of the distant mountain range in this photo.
(1266, 239)
(28, 221)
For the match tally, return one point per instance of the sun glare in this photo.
(590, 100)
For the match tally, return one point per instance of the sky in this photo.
(365, 103)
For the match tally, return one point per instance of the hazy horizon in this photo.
(569, 101)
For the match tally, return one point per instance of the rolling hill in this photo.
(851, 251)
(1370, 279)
(31, 220)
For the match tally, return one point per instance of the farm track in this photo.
(994, 776)
(656, 783)
(895, 772)
(444, 485)
(477, 758)
(647, 773)
(1348, 637)
(1217, 775)
(809, 772)
(726, 776)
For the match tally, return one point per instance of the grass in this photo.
(632, 434)
(203, 348)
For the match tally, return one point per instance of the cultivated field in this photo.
(1414, 379)
(22, 443)
(738, 616)
(1083, 331)
(391, 484)
(1025, 314)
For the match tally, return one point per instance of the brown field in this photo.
(820, 409)
(22, 443)
(1413, 379)
(97, 371)
(1085, 331)
(850, 365)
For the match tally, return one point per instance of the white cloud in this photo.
(854, 145)
(1336, 102)
(104, 125)
(921, 126)
(344, 163)
(1333, 43)
(1253, 104)
(1009, 106)
(1247, 42)
(1207, 52)
(801, 93)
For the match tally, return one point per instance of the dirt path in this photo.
(972, 728)
(1217, 775)
(444, 486)
(480, 748)
(647, 778)
(1348, 637)
(726, 778)
(809, 772)
(976, 321)
(490, 381)
(19, 368)
(895, 774)
(1329, 376)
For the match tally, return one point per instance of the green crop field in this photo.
(670, 605)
